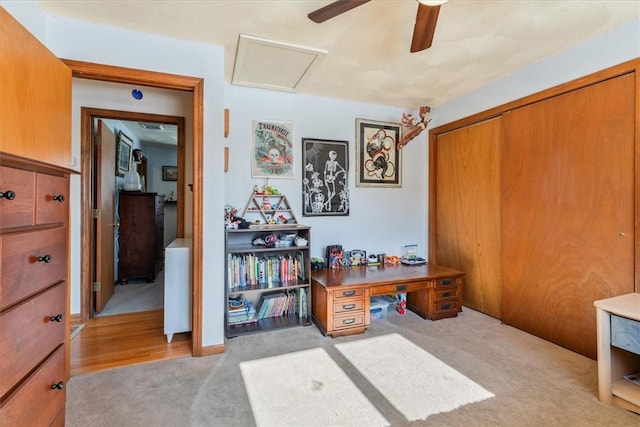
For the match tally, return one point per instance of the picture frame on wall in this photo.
(272, 149)
(124, 149)
(169, 173)
(325, 177)
(378, 159)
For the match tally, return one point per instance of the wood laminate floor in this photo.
(125, 339)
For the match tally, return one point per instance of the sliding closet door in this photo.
(568, 210)
(467, 211)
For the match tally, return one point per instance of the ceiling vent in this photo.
(272, 65)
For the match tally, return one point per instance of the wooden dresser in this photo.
(141, 238)
(35, 166)
(34, 219)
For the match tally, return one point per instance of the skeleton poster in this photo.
(325, 189)
(272, 155)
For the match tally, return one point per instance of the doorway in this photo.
(134, 77)
(114, 291)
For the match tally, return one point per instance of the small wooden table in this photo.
(341, 297)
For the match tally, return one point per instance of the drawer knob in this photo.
(9, 195)
(45, 259)
(57, 386)
(58, 198)
(56, 318)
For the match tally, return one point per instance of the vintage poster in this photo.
(272, 155)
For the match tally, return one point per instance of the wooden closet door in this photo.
(568, 210)
(468, 211)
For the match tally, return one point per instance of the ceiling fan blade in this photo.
(334, 9)
(425, 27)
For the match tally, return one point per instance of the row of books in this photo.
(283, 303)
(268, 271)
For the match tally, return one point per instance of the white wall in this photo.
(380, 219)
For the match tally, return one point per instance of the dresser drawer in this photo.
(25, 269)
(403, 287)
(36, 402)
(19, 211)
(28, 334)
(52, 199)
(625, 333)
(347, 306)
(350, 293)
(345, 322)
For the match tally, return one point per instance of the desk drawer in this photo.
(348, 306)
(403, 287)
(356, 319)
(445, 293)
(452, 281)
(445, 309)
(350, 293)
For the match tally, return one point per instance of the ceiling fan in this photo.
(425, 26)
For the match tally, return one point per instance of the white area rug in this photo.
(305, 388)
(412, 380)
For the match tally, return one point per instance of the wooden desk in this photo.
(340, 297)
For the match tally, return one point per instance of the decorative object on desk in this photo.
(317, 264)
(334, 256)
(392, 260)
(325, 169)
(372, 259)
(169, 173)
(378, 160)
(413, 127)
(123, 154)
(272, 155)
(413, 261)
(357, 257)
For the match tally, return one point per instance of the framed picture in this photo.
(378, 160)
(123, 154)
(325, 183)
(169, 173)
(272, 150)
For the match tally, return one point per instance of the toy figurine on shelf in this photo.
(265, 204)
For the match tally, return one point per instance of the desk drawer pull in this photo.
(445, 282)
(348, 321)
(445, 306)
(348, 306)
(348, 293)
(446, 294)
(401, 288)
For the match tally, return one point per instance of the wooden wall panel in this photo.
(568, 210)
(35, 100)
(468, 211)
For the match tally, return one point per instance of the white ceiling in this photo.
(476, 41)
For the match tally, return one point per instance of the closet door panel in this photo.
(468, 211)
(568, 210)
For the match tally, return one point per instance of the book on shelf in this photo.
(240, 311)
(268, 271)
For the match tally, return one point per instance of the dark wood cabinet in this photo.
(141, 237)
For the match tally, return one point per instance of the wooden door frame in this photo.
(88, 117)
(108, 73)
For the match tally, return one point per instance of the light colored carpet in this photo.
(535, 382)
(136, 296)
(312, 383)
(415, 383)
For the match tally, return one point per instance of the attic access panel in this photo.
(272, 65)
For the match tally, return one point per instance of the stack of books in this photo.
(241, 312)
